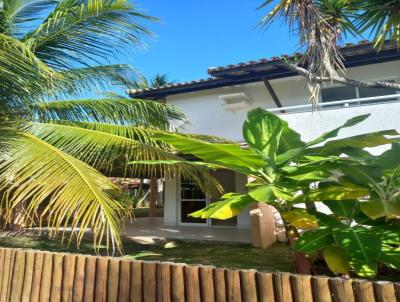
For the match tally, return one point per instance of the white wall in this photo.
(208, 115)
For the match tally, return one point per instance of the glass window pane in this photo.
(333, 94)
(366, 92)
(190, 206)
(191, 191)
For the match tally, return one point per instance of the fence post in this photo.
(178, 283)
(164, 281)
(249, 287)
(342, 290)
(384, 291)
(320, 289)
(124, 280)
(265, 286)
(28, 276)
(207, 283)
(282, 288)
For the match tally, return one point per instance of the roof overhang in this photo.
(256, 71)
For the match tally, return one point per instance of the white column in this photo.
(171, 201)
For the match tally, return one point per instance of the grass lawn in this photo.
(276, 258)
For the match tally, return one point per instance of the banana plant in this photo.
(361, 235)
(285, 171)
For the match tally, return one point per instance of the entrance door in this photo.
(192, 199)
(227, 179)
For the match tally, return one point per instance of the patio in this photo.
(152, 229)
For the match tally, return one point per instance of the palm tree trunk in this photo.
(153, 197)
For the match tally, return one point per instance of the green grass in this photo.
(276, 258)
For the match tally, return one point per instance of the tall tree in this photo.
(52, 149)
(157, 81)
(320, 25)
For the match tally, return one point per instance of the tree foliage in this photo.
(52, 147)
(321, 25)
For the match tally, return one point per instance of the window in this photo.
(192, 200)
(342, 93)
(333, 94)
(366, 92)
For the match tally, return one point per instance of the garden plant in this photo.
(362, 232)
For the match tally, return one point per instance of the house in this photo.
(218, 106)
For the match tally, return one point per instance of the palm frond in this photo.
(99, 78)
(60, 189)
(110, 148)
(80, 33)
(381, 18)
(24, 78)
(115, 111)
(316, 34)
(20, 16)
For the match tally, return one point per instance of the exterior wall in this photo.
(208, 116)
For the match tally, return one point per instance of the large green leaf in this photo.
(377, 208)
(388, 234)
(299, 218)
(333, 192)
(366, 270)
(262, 131)
(363, 219)
(389, 159)
(310, 174)
(290, 140)
(225, 209)
(289, 155)
(390, 256)
(333, 133)
(359, 243)
(315, 240)
(230, 156)
(368, 140)
(325, 220)
(336, 259)
(262, 193)
(343, 208)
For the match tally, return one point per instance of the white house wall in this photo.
(207, 114)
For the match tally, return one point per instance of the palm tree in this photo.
(320, 25)
(53, 149)
(157, 81)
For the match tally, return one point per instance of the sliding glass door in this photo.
(192, 199)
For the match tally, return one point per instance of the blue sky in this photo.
(195, 35)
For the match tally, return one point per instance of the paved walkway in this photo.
(150, 230)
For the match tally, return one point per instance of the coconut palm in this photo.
(157, 81)
(52, 149)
